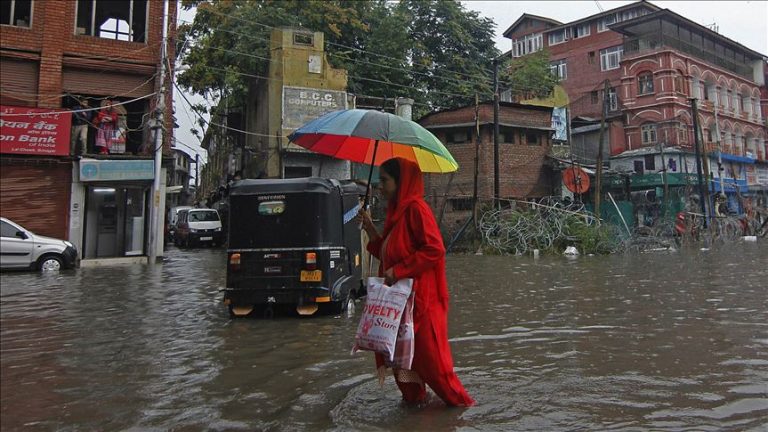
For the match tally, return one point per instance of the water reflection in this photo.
(656, 341)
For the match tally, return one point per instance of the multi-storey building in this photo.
(85, 69)
(655, 62)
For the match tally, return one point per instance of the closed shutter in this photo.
(102, 83)
(18, 82)
(37, 197)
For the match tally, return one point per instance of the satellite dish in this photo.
(576, 180)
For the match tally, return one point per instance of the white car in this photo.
(23, 249)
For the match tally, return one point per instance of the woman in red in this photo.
(411, 247)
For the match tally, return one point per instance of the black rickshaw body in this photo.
(293, 242)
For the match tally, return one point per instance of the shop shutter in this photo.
(103, 83)
(36, 196)
(18, 82)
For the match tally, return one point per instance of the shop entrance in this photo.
(115, 221)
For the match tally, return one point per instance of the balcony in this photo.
(654, 42)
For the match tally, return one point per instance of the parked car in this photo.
(21, 248)
(198, 226)
(173, 218)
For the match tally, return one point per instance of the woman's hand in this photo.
(364, 219)
(389, 277)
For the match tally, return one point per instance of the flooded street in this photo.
(669, 341)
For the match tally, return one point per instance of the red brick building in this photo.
(53, 55)
(524, 143)
(655, 61)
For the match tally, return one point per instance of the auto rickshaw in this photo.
(294, 243)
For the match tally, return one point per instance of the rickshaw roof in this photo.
(297, 185)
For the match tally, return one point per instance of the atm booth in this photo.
(111, 208)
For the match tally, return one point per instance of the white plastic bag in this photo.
(381, 318)
(405, 335)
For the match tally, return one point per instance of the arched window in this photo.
(115, 29)
(645, 83)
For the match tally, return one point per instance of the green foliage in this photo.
(529, 76)
(434, 51)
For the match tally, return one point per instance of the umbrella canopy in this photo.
(371, 137)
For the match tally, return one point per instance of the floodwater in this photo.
(665, 341)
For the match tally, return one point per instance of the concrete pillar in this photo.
(404, 107)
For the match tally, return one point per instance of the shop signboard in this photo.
(34, 131)
(302, 105)
(114, 170)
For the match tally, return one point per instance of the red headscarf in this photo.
(410, 188)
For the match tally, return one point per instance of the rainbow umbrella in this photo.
(371, 137)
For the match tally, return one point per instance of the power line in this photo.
(78, 110)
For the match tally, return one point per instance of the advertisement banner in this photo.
(560, 124)
(113, 170)
(34, 131)
(302, 105)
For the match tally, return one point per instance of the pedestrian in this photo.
(81, 120)
(106, 121)
(411, 246)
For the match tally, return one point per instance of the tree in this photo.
(529, 76)
(452, 53)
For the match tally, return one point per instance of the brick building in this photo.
(524, 144)
(53, 56)
(655, 61)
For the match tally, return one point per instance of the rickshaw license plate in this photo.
(206, 238)
(311, 276)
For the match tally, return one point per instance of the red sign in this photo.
(34, 131)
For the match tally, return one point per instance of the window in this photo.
(639, 167)
(461, 203)
(613, 100)
(650, 162)
(593, 97)
(696, 87)
(603, 24)
(682, 134)
(610, 58)
(580, 31)
(16, 13)
(120, 20)
(711, 134)
(559, 69)
(458, 137)
(527, 44)
(591, 57)
(532, 138)
(645, 83)
(680, 84)
(648, 133)
(557, 37)
(724, 98)
(7, 230)
(507, 135)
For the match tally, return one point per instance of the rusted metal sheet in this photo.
(37, 196)
(19, 82)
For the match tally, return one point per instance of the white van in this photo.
(198, 226)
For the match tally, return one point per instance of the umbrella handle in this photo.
(370, 175)
(368, 185)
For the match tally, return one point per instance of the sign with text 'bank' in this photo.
(34, 131)
(302, 105)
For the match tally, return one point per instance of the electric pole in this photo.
(599, 168)
(496, 132)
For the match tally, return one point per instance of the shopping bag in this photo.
(404, 345)
(381, 317)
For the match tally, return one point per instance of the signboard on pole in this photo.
(34, 131)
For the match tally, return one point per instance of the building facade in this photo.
(654, 62)
(524, 144)
(79, 87)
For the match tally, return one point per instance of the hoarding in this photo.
(34, 131)
(302, 105)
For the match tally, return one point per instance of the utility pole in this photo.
(599, 168)
(477, 156)
(197, 171)
(664, 178)
(697, 145)
(496, 132)
(154, 235)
